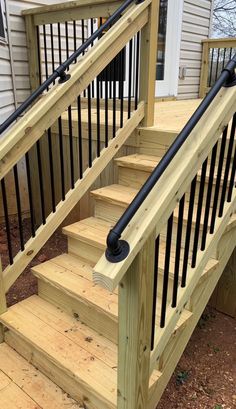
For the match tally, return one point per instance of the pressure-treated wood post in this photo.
(3, 305)
(204, 69)
(148, 60)
(33, 52)
(135, 322)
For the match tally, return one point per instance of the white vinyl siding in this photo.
(19, 55)
(6, 85)
(195, 27)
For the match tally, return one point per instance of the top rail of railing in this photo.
(118, 250)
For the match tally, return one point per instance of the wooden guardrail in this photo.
(216, 52)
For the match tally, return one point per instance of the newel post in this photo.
(34, 54)
(3, 305)
(135, 323)
(148, 59)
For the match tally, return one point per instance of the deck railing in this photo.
(216, 53)
(37, 138)
(196, 177)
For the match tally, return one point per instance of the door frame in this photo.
(169, 86)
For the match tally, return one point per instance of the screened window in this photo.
(2, 28)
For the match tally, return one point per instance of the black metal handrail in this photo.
(117, 249)
(60, 72)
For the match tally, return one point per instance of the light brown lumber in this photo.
(65, 6)
(148, 59)
(95, 380)
(135, 317)
(33, 54)
(171, 186)
(19, 139)
(11, 273)
(31, 383)
(204, 69)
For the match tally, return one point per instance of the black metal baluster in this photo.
(70, 125)
(106, 109)
(98, 118)
(74, 35)
(83, 40)
(121, 91)
(52, 48)
(51, 167)
(154, 305)
(217, 64)
(39, 55)
(166, 271)
(211, 67)
(114, 97)
(61, 152)
(223, 62)
(188, 231)
(218, 180)
(91, 24)
(137, 71)
(232, 178)
(45, 51)
(199, 213)
(90, 145)
(80, 137)
(227, 166)
(7, 222)
(130, 76)
(209, 195)
(41, 187)
(61, 136)
(29, 184)
(67, 40)
(50, 134)
(178, 251)
(18, 203)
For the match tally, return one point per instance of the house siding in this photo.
(14, 77)
(196, 25)
(6, 84)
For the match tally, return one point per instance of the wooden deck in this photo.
(173, 115)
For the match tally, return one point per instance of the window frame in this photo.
(3, 40)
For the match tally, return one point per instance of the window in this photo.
(2, 26)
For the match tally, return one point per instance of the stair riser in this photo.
(112, 213)
(85, 251)
(87, 313)
(55, 372)
(136, 178)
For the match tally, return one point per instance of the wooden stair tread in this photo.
(139, 161)
(60, 338)
(147, 163)
(123, 195)
(97, 238)
(67, 273)
(89, 230)
(23, 386)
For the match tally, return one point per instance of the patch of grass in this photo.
(218, 407)
(182, 377)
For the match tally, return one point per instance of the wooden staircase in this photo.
(69, 331)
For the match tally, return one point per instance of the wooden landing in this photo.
(173, 115)
(22, 386)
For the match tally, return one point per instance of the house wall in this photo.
(196, 26)
(14, 78)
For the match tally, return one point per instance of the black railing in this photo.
(218, 59)
(60, 72)
(58, 160)
(117, 249)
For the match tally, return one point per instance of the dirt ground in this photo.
(205, 377)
